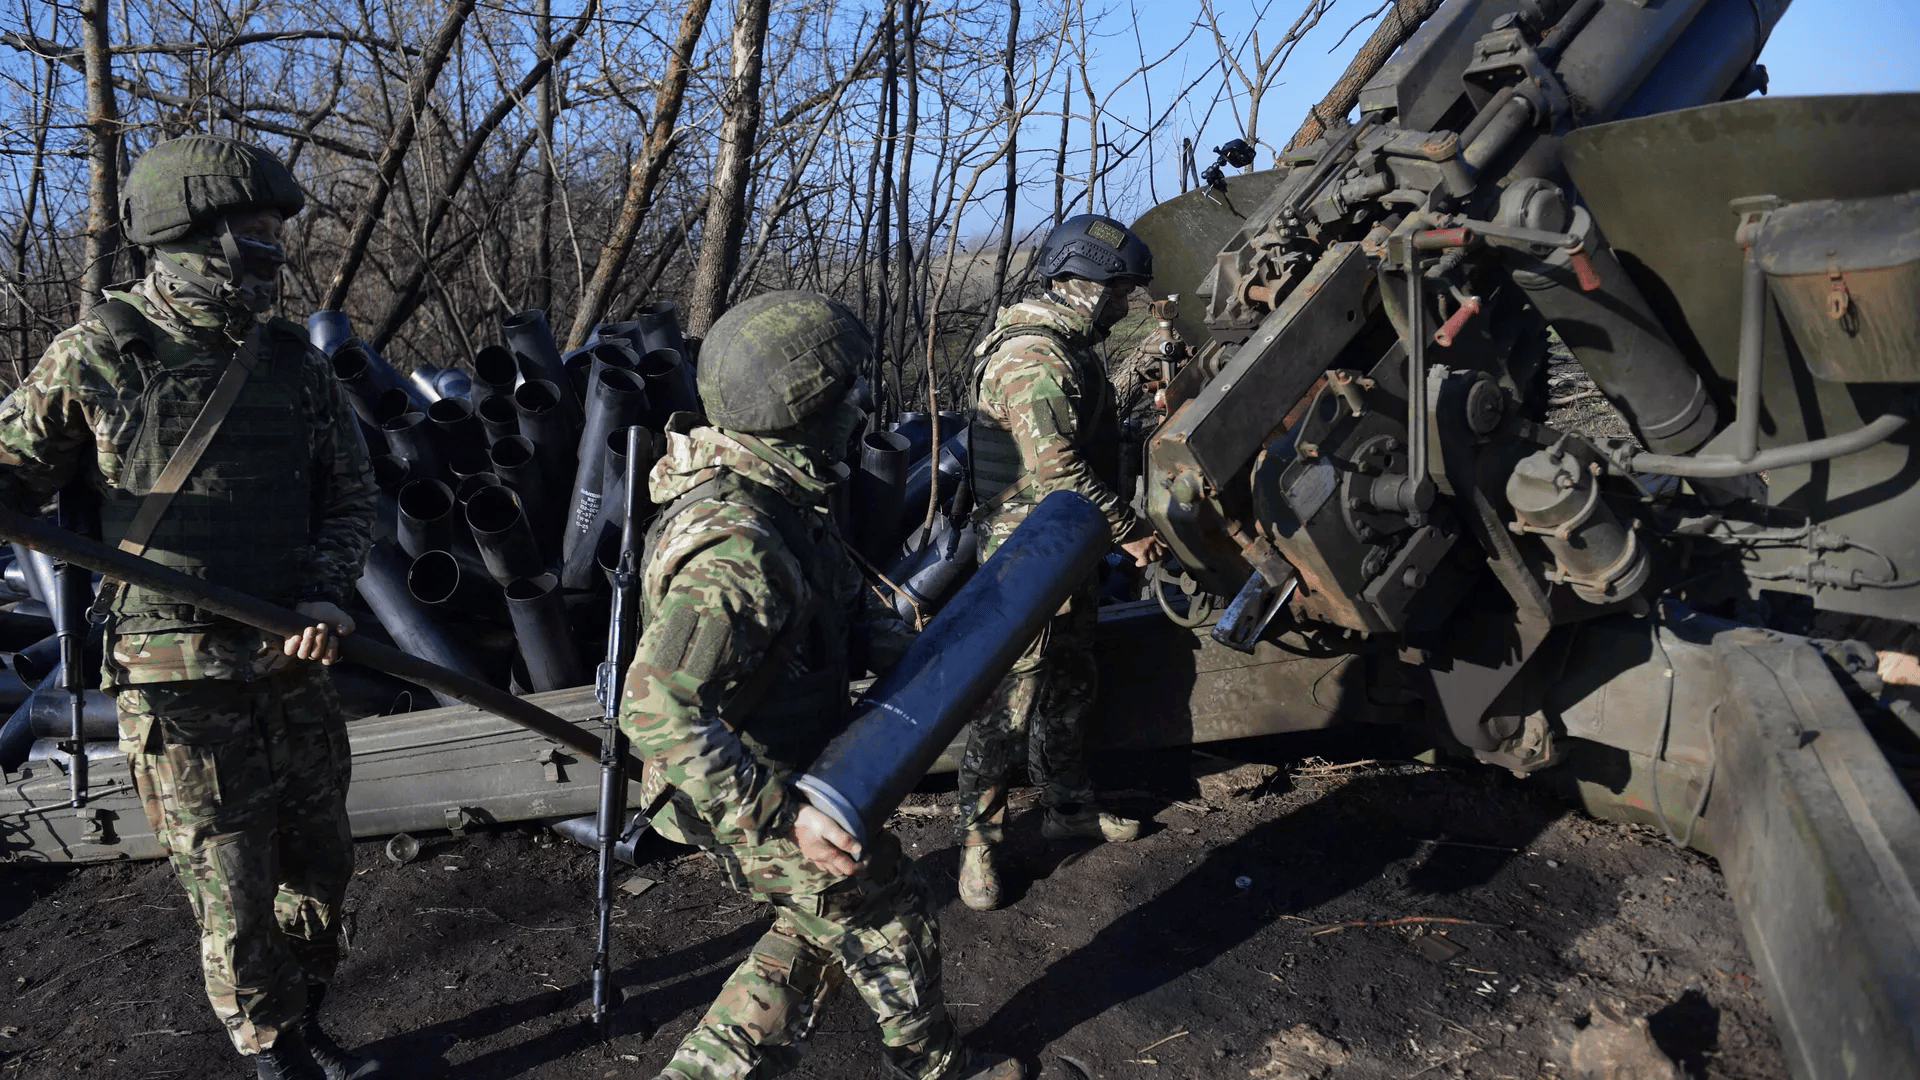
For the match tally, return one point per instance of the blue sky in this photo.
(1819, 47)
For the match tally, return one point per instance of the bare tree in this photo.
(103, 138)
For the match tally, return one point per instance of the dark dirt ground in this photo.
(1179, 955)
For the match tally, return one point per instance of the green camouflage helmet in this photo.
(195, 180)
(775, 360)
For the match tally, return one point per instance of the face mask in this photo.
(1103, 304)
(226, 269)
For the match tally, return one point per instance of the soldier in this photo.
(740, 677)
(1044, 421)
(235, 740)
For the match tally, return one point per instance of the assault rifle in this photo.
(71, 597)
(621, 635)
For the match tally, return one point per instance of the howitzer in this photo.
(1364, 456)
(283, 622)
(622, 630)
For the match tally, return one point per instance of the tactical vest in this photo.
(805, 703)
(243, 518)
(996, 464)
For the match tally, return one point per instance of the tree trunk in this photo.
(1011, 102)
(395, 155)
(1393, 31)
(644, 177)
(1060, 155)
(103, 154)
(727, 212)
(542, 291)
(35, 179)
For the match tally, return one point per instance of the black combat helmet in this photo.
(1098, 249)
(777, 360)
(194, 181)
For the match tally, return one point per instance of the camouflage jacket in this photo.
(1051, 396)
(75, 417)
(719, 563)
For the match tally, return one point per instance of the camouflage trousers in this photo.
(1040, 708)
(875, 930)
(245, 785)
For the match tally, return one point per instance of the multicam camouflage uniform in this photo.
(723, 587)
(239, 753)
(1041, 381)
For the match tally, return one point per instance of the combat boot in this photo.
(979, 877)
(287, 1059)
(335, 1062)
(990, 1067)
(1088, 822)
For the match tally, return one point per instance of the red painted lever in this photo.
(1449, 330)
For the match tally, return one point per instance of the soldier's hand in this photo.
(824, 843)
(1147, 550)
(321, 641)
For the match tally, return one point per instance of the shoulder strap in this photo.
(125, 322)
(199, 437)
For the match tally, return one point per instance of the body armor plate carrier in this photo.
(244, 517)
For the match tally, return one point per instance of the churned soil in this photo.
(1324, 915)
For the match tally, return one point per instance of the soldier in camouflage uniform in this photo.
(236, 740)
(740, 677)
(1044, 421)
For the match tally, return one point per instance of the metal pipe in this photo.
(43, 658)
(456, 426)
(505, 538)
(442, 579)
(878, 489)
(615, 402)
(535, 353)
(410, 436)
(669, 385)
(468, 464)
(942, 566)
(498, 417)
(659, 328)
(455, 384)
(912, 712)
(421, 379)
(427, 518)
(49, 716)
(1709, 466)
(628, 333)
(1513, 118)
(1416, 392)
(19, 630)
(952, 472)
(544, 421)
(36, 570)
(1753, 341)
(494, 367)
(391, 404)
(385, 580)
(579, 570)
(540, 626)
(471, 486)
(516, 461)
(357, 365)
(391, 473)
(328, 330)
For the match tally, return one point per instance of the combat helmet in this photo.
(1095, 248)
(194, 181)
(776, 361)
